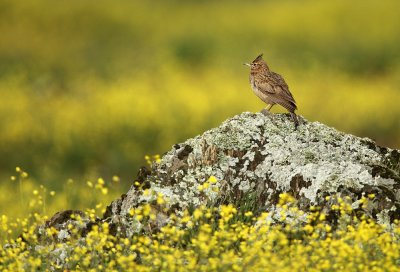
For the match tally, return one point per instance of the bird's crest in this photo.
(259, 58)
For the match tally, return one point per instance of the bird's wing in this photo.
(265, 86)
(274, 89)
(269, 95)
(282, 88)
(287, 104)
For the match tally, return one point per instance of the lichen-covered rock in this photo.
(256, 157)
(67, 223)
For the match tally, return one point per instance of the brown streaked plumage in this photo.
(271, 88)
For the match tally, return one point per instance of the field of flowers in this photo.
(208, 239)
(86, 90)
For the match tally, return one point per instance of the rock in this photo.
(65, 223)
(255, 158)
(249, 161)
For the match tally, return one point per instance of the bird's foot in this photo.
(266, 112)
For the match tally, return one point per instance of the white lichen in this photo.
(250, 149)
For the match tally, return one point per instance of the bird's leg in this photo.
(266, 110)
(295, 120)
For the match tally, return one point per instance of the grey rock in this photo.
(257, 157)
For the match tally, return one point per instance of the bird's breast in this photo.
(253, 84)
(256, 89)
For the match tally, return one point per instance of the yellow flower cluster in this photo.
(213, 239)
(152, 159)
(209, 184)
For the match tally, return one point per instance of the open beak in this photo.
(247, 64)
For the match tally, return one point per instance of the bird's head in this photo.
(258, 64)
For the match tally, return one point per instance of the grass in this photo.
(23, 196)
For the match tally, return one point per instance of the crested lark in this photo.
(271, 88)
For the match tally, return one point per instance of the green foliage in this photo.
(22, 196)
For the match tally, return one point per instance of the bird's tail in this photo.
(295, 119)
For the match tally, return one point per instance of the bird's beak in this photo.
(247, 64)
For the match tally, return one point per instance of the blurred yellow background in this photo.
(88, 88)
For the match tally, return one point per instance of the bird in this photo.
(271, 88)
